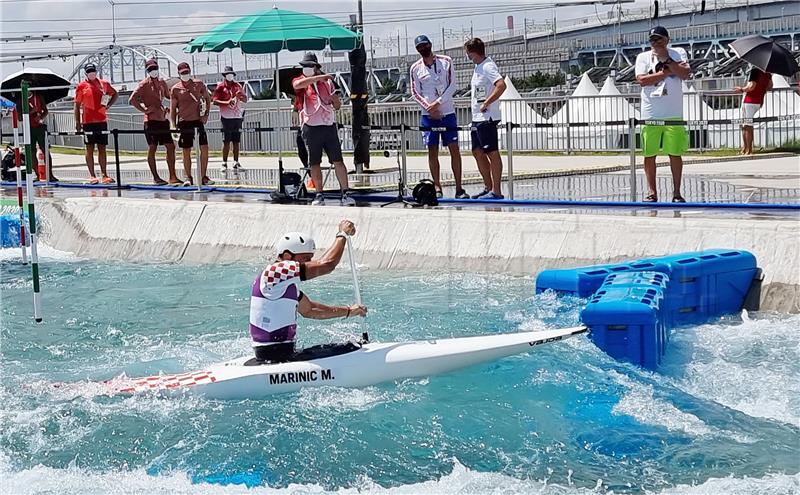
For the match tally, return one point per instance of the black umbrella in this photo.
(765, 54)
(286, 75)
(41, 78)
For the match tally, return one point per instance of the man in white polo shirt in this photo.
(661, 71)
(433, 82)
(486, 87)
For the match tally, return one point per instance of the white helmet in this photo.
(295, 243)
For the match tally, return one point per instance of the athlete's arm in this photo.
(332, 257)
(318, 311)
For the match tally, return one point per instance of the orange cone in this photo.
(41, 165)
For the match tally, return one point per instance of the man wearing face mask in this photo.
(318, 103)
(151, 97)
(433, 82)
(93, 96)
(230, 97)
(190, 105)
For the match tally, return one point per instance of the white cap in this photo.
(295, 243)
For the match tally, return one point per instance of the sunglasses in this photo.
(657, 39)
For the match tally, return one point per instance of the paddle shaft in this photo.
(356, 286)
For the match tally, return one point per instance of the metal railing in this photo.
(548, 123)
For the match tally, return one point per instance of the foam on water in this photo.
(46, 253)
(461, 480)
(721, 416)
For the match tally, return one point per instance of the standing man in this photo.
(660, 71)
(230, 97)
(94, 96)
(151, 97)
(38, 114)
(485, 89)
(433, 82)
(320, 100)
(190, 105)
(758, 83)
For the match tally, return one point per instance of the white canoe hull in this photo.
(371, 364)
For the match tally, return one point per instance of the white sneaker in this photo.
(347, 200)
(223, 171)
(238, 166)
(319, 200)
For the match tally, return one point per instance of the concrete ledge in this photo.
(518, 243)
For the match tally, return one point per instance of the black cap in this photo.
(421, 40)
(309, 60)
(90, 67)
(659, 31)
(228, 70)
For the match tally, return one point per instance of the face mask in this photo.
(153, 73)
(308, 71)
(425, 51)
(229, 77)
(91, 76)
(185, 77)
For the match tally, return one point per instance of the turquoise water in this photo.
(720, 417)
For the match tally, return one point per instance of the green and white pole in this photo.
(26, 140)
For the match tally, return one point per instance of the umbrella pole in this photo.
(26, 139)
(279, 126)
(23, 238)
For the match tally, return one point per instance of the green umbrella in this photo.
(271, 31)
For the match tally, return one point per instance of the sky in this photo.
(170, 23)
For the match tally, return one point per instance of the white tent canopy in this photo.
(515, 109)
(612, 105)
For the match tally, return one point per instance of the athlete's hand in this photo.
(347, 227)
(358, 310)
(484, 107)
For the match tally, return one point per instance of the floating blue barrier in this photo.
(664, 292)
(627, 322)
(707, 284)
(583, 282)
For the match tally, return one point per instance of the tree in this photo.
(388, 86)
(265, 94)
(538, 80)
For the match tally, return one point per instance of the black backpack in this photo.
(424, 193)
(8, 174)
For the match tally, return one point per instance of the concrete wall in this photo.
(518, 243)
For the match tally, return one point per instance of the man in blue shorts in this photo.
(433, 82)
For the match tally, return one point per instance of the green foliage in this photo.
(388, 86)
(538, 80)
(265, 94)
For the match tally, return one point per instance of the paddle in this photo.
(356, 286)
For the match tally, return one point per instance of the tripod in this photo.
(400, 185)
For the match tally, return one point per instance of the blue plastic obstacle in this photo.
(634, 305)
(9, 231)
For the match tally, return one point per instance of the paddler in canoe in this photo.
(276, 298)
